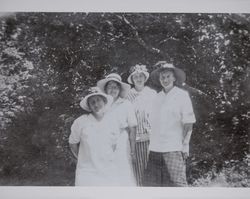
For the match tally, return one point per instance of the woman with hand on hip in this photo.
(122, 110)
(141, 97)
(94, 141)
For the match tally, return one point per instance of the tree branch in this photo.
(194, 90)
(240, 18)
(142, 42)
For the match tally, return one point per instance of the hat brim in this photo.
(130, 76)
(179, 75)
(84, 102)
(124, 87)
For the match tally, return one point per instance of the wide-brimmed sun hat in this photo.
(138, 68)
(160, 66)
(95, 91)
(117, 78)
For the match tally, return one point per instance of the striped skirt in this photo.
(141, 150)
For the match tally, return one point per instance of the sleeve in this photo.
(187, 111)
(152, 100)
(131, 117)
(74, 137)
(152, 109)
(131, 96)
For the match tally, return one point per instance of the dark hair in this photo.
(168, 70)
(133, 80)
(104, 99)
(118, 84)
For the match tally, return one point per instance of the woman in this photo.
(172, 122)
(141, 97)
(122, 110)
(95, 141)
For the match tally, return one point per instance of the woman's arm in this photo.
(74, 149)
(187, 131)
(132, 137)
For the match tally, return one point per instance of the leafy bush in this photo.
(234, 174)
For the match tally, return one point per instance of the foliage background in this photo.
(48, 60)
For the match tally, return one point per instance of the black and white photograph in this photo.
(124, 99)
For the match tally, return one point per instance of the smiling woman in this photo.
(96, 104)
(141, 97)
(172, 122)
(113, 88)
(124, 112)
(95, 141)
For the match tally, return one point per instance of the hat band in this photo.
(112, 77)
(139, 71)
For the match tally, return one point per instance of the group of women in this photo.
(111, 141)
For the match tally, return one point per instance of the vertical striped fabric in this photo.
(142, 104)
(141, 149)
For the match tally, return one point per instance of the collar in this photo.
(145, 89)
(172, 90)
(118, 101)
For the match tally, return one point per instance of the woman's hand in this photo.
(74, 149)
(185, 156)
(133, 157)
(114, 147)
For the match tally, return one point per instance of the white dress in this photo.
(123, 111)
(102, 153)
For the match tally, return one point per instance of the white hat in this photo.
(93, 91)
(180, 75)
(117, 78)
(138, 68)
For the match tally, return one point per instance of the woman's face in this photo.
(167, 79)
(96, 103)
(113, 89)
(139, 79)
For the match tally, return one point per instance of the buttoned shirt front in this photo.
(96, 139)
(123, 111)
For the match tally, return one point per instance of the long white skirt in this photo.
(118, 173)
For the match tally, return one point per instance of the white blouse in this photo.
(143, 103)
(170, 112)
(124, 111)
(96, 139)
